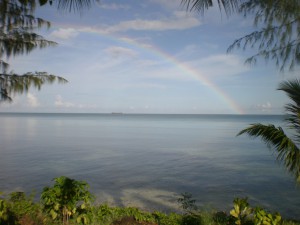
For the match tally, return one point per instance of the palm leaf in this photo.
(228, 6)
(74, 5)
(286, 150)
(292, 89)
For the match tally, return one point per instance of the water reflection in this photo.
(146, 160)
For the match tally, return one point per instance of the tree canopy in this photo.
(277, 37)
(17, 37)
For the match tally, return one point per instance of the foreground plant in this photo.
(187, 202)
(243, 214)
(18, 208)
(241, 211)
(67, 198)
(3, 210)
(286, 148)
(69, 202)
(263, 218)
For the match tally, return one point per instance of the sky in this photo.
(150, 56)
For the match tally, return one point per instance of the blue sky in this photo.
(148, 56)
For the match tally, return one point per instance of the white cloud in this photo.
(214, 67)
(180, 21)
(219, 65)
(64, 33)
(143, 42)
(142, 86)
(182, 14)
(59, 102)
(14, 103)
(114, 6)
(32, 100)
(264, 107)
(171, 5)
(117, 51)
(230, 60)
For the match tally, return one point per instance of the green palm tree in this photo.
(284, 147)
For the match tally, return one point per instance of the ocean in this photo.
(147, 160)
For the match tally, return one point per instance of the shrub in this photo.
(66, 199)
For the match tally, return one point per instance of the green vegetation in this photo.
(67, 198)
(69, 202)
(242, 213)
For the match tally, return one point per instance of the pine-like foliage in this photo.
(17, 37)
(286, 148)
(19, 84)
(277, 37)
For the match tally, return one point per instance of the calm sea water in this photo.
(147, 160)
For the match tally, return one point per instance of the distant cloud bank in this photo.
(64, 33)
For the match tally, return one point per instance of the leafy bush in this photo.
(67, 198)
(69, 201)
(244, 214)
(241, 211)
(164, 219)
(191, 219)
(221, 217)
(20, 209)
(261, 217)
(21, 205)
(3, 210)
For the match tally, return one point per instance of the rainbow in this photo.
(186, 69)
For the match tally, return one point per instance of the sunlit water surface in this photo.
(147, 160)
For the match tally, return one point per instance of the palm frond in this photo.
(286, 150)
(292, 89)
(74, 5)
(229, 6)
